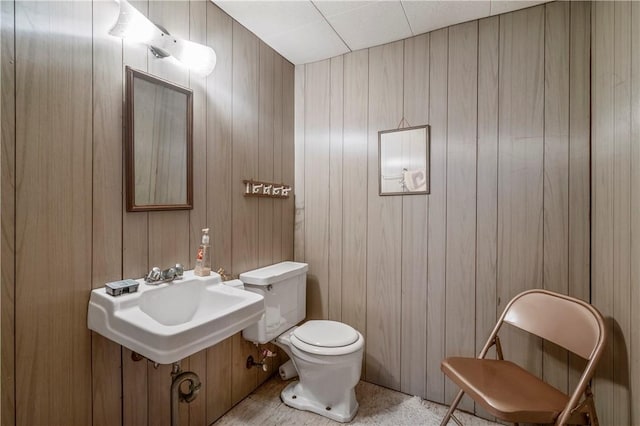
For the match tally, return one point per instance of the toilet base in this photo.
(294, 397)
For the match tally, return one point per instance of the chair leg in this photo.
(454, 405)
(593, 417)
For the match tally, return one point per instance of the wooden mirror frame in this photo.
(129, 139)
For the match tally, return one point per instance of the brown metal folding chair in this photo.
(511, 393)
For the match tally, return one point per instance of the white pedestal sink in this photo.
(169, 322)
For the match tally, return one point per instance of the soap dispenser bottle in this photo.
(203, 258)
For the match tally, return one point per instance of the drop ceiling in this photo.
(306, 31)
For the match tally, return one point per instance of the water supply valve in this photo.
(266, 353)
(253, 363)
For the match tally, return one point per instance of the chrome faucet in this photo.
(157, 276)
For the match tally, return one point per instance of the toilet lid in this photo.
(326, 334)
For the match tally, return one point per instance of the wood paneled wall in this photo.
(615, 205)
(508, 100)
(7, 214)
(67, 232)
(424, 277)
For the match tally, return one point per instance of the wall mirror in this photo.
(158, 143)
(404, 161)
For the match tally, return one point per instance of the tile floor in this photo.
(378, 406)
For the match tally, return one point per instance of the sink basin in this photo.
(169, 322)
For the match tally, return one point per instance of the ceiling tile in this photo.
(425, 16)
(371, 24)
(303, 31)
(504, 6)
(310, 43)
(333, 7)
(294, 29)
(267, 18)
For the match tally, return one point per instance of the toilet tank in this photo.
(284, 288)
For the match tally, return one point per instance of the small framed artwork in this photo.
(404, 161)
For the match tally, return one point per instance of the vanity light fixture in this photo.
(133, 25)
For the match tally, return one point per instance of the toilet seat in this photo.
(324, 337)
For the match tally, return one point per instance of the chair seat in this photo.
(506, 390)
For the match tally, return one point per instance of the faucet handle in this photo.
(179, 270)
(168, 274)
(154, 275)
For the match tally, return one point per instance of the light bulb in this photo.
(133, 25)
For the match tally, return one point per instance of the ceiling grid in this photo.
(305, 31)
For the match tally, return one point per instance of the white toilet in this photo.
(327, 355)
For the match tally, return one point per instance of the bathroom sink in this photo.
(168, 322)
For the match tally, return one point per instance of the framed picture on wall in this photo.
(404, 161)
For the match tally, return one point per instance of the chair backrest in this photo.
(566, 321)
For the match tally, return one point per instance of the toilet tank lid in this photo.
(273, 273)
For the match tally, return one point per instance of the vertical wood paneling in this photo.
(579, 161)
(279, 207)
(53, 224)
(8, 215)
(622, 213)
(218, 372)
(265, 152)
(245, 139)
(556, 174)
(495, 212)
(168, 238)
(413, 343)
(198, 216)
(384, 224)
(520, 169)
(487, 180)
(614, 180)
(271, 123)
(198, 84)
(299, 140)
(107, 206)
(603, 186)
(288, 169)
(355, 190)
(70, 192)
(134, 391)
(245, 161)
(243, 380)
(634, 341)
(107, 148)
(335, 188)
(230, 148)
(135, 263)
(159, 397)
(487, 184)
(316, 167)
(461, 195)
(437, 216)
(135, 226)
(219, 138)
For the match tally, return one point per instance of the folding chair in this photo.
(511, 393)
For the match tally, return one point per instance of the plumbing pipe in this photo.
(177, 395)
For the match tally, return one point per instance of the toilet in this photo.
(326, 355)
